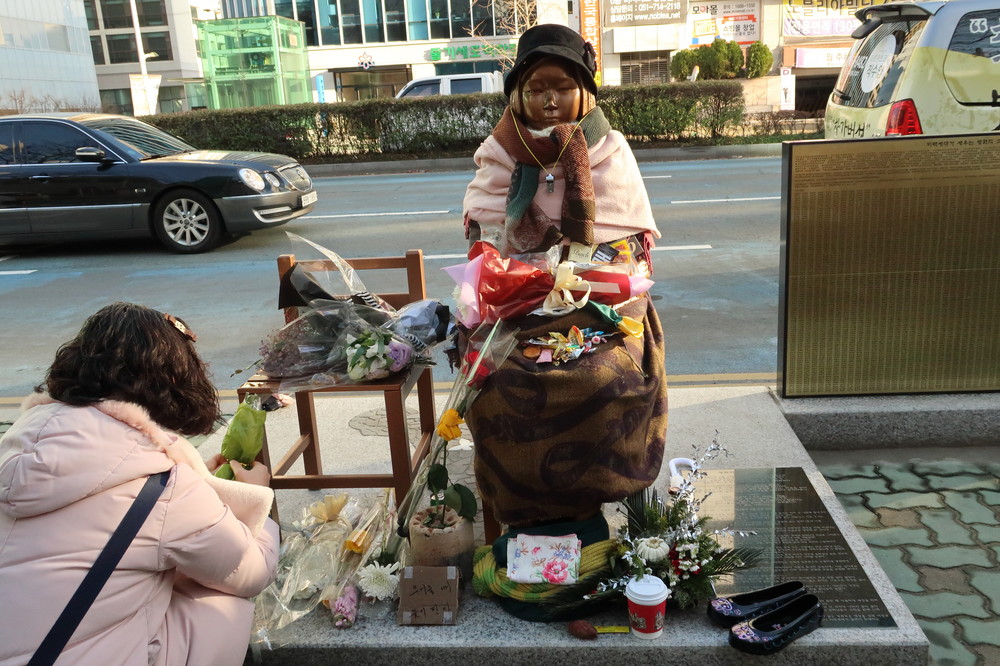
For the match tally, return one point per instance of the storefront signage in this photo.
(736, 21)
(806, 57)
(822, 18)
(472, 51)
(590, 30)
(620, 13)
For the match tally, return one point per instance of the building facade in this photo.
(371, 48)
(254, 61)
(45, 61)
(169, 37)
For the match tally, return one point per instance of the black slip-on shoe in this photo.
(728, 610)
(770, 632)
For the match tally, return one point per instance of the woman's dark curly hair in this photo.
(135, 354)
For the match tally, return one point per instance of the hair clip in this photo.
(180, 326)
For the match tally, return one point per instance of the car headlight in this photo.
(252, 179)
(274, 180)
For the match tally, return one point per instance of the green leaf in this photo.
(453, 499)
(468, 506)
(437, 478)
(225, 471)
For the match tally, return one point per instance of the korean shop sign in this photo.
(621, 13)
(471, 51)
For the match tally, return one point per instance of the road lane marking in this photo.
(665, 248)
(698, 201)
(652, 177)
(18, 272)
(410, 212)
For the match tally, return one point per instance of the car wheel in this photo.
(187, 222)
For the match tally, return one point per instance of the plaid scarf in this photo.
(526, 227)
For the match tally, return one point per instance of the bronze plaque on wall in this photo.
(890, 266)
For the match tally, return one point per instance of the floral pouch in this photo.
(543, 559)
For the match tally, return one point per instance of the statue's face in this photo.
(550, 95)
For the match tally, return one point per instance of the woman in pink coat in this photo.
(70, 467)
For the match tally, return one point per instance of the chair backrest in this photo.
(412, 262)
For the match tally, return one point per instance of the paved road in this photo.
(716, 270)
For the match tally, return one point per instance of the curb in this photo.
(466, 163)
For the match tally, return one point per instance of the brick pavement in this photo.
(933, 523)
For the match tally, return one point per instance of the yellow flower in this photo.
(448, 425)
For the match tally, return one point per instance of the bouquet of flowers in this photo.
(346, 339)
(665, 538)
(321, 554)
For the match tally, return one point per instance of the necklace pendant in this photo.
(550, 181)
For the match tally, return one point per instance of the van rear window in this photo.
(875, 63)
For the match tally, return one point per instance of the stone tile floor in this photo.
(932, 519)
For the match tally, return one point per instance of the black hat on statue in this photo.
(552, 39)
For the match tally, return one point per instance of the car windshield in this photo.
(145, 140)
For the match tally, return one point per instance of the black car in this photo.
(87, 176)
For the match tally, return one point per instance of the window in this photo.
(329, 22)
(973, 58)
(158, 43)
(151, 13)
(91, 11)
(424, 89)
(645, 67)
(482, 17)
(304, 9)
(439, 19)
(50, 143)
(351, 21)
(373, 20)
(395, 21)
(466, 86)
(6, 148)
(121, 48)
(97, 46)
(416, 13)
(116, 13)
(461, 19)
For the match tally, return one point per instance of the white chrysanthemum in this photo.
(652, 549)
(379, 581)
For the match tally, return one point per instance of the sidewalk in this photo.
(932, 519)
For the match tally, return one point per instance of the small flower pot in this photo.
(433, 546)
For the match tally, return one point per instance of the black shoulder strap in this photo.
(80, 602)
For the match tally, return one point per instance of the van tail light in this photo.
(903, 119)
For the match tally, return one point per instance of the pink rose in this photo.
(555, 571)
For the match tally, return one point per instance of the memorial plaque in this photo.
(797, 537)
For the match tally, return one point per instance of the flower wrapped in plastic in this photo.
(321, 554)
(346, 339)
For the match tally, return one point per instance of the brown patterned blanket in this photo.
(556, 441)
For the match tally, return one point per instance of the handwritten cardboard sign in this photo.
(428, 595)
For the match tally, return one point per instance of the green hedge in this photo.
(430, 126)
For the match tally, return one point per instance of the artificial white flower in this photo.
(379, 581)
(652, 549)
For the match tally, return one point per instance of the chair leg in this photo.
(399, 443)
(305, 406)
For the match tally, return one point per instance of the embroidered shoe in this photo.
(770, 632)
(727, 611)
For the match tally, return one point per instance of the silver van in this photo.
(453, 84)
(920, 68)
